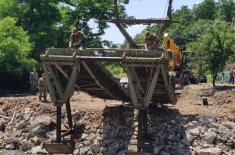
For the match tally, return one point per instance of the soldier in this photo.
(42, 87)
(77, 39)
(150, 41)
(33, 77)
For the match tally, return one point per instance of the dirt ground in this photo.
(221, 101)
(189, 101)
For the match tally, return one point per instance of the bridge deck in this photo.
(97, 81)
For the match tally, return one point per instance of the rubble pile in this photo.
(26, 123)
(107, 132)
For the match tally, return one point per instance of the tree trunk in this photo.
(214, 82)
(214, 76)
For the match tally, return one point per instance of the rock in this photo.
(164, 153)
(109, 153)
(214, 125)
(209, 137)
(209, 151)
(10, 147)
(208, 119)
(92, 137)
(83, 151)
(114, 147)
(157, 149)
(3, 152)
(27, 110)
(95, 148)
(190, 138)
(75, 152)
(21, 125)
(121, 153)
(229, 125)
(35, 140)
(42, 121)
(2, 112)
(13, 141)
(84, 136)
(38, 130)
(38, 150)
(129, 121)
(26, 145)
(194, 132)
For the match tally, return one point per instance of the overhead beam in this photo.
(139, 21)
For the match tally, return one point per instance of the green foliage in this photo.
(214, 48)
(49, 24)
(206, 10)
(15, 50)
(116, 69)
(227, 10)
(15, 47)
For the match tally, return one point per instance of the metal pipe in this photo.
(139, 21)
(101, 49)
(97, 58)
(58, 123)
(69, 114)
(71, 58)
(140, 131)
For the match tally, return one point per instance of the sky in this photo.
(144, 9)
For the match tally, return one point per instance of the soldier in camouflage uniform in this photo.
(42, 87)
(33, 81)
(150, 41)
(77, 39)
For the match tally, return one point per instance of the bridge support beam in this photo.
(61, 82)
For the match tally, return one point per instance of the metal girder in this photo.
(49, 84)
(60, 95)
(149, 92)
(127, 36)
(132, 88)
(136, 79)
(94, 78)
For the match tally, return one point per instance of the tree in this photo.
(206, 10)
(227, 10)
(214, 48)
(15, 52)
(86, 11)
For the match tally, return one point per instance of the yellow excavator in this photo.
(177, 62)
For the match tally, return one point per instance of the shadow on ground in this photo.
(117, 129)
(166, 129)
